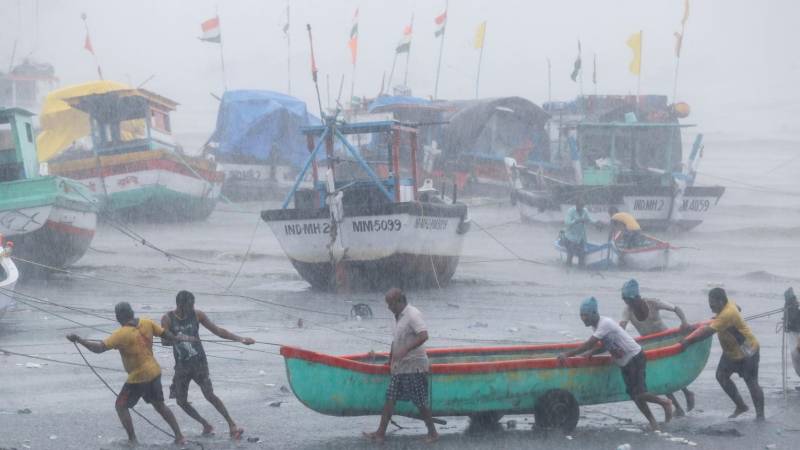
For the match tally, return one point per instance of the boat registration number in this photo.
(699, 205)
(366, 226)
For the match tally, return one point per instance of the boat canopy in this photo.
(496, 127)
(261, 126)
(391, 102)
(62, 125)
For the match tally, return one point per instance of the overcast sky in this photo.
(739, 66)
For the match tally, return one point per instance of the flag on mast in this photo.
(405, 42)
(211, 31)
(87, 44)
(635, 43)
(576, 68)
(480, 35)
(286, 25)
(353, 43)
(441, 23)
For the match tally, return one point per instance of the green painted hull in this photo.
(467, 386)
(45, 191)
(159, 203)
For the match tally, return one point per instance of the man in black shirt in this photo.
(190, 359)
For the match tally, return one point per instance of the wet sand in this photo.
(748, 245)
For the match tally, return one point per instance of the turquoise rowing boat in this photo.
(488, 382)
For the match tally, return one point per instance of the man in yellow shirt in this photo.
(627, 225)
(134, 340)
(740, 351)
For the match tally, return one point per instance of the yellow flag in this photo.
(635, 43)
(480, 34)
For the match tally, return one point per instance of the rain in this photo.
(299, 191)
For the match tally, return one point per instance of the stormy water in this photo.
(748, 245)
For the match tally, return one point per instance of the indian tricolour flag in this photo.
(211, 31)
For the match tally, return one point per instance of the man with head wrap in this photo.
(625, 352)
(644, 314)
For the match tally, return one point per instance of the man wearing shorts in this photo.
(190, 359)
(644, 314)
(134, 340)
(740, 351)
(409, 365)
(626, 353)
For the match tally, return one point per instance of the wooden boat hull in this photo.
(152, 185)
(650, 205)
(244, 182)
(486, 380)
(652, 256)
(402, 244)
(9, 276)
(597, 256)
(51, 220)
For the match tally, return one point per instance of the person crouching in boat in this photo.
(190, 360)
(644, 314)
(740, 351)
(575, 233)
(134, 340)
(408, 364)
(622, 222)
(625, 352)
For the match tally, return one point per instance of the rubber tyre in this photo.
(557, 409)
(485, 419)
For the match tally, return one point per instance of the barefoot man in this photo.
(740, 351)
(644, 314)
(134, 340)
(408, 363)
(190, 359)
(626, 353)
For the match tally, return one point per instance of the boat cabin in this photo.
(25, 84)
(604, 140)
(127, 120)
(384, 175)
(17, 145)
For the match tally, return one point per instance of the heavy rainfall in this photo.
(445, 224)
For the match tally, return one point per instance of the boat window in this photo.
(29, 132)
(159, 120)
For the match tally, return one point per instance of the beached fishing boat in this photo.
(649, 253)
(365, 224)
(494, 381)
(133, 162)
(620, 151)
(8, 278)
(257, 143)
(50, 219)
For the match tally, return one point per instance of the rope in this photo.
(508, 249)
(246, 255)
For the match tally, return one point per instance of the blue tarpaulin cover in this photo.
(252, 124)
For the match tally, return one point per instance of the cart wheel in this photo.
(557, 408)
(485, 419)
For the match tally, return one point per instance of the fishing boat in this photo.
(8, 277)
(490, 382)
(364, 223)
(51, 219)
(648, 253)
(257, 143)
(134, 163)
(622, 151)
(25, 84)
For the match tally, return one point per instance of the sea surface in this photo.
(748, 244)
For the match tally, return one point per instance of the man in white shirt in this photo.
(408, 364)
(626, 353)
(644, 314)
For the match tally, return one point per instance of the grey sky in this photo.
(738, 66)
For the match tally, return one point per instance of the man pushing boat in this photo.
(625, 352)
(408, 363)
(740, 351)
(190, 359)
(645, 317)
(134, 340)
(622, 222)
